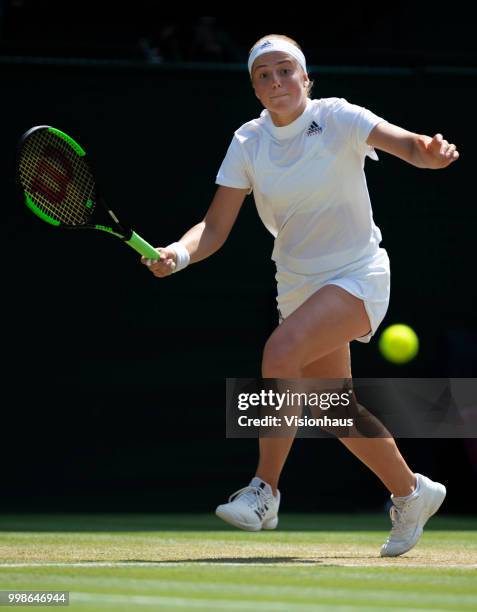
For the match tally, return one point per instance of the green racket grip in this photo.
(143, 247)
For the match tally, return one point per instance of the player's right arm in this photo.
(205, 238)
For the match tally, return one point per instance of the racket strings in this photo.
(56, 178)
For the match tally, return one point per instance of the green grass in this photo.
(194, 562)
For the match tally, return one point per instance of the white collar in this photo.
(293, 128)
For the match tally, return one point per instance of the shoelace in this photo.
(254, 497)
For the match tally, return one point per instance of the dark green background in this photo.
(114, 381)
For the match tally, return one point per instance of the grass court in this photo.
(195, 562)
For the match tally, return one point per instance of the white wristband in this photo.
(182, 255)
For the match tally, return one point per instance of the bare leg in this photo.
(382, 456)
(314, 343)
(273, 454)
(334, 364)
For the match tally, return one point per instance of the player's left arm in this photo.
(416, 149)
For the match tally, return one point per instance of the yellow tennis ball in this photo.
(399, 343)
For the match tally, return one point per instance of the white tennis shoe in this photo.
(409, 515)
(252, 508)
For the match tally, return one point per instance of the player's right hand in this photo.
(164, 266)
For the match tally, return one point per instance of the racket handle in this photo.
(142, 247)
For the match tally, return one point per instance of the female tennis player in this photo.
(304, 161)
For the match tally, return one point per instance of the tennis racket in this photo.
(58, 186)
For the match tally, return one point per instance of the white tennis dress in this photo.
(310, 191)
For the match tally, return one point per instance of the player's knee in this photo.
(367, 424)
(281, 355)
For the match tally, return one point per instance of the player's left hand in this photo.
(436, 152)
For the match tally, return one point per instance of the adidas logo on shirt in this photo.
(314, 129)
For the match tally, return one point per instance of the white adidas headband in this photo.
(276, 44)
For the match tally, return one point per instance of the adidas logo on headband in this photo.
(276, 44)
